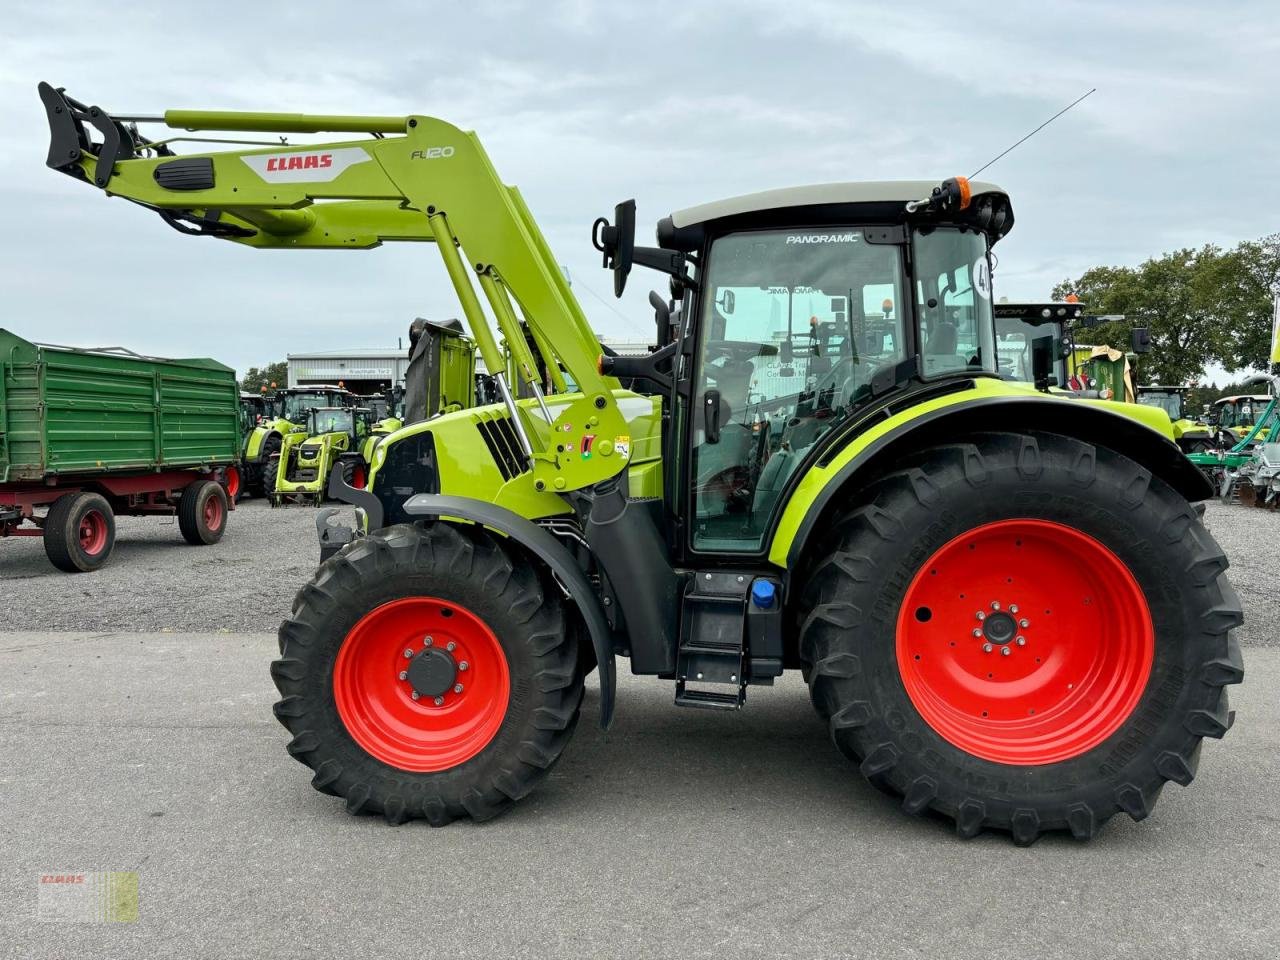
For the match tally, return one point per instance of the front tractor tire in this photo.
(427, 674)
(1021, 632)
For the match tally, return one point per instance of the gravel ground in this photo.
(246, 583)
(156, 581)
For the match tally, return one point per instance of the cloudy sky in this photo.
(583, 104)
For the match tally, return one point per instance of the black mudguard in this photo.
(554, 554)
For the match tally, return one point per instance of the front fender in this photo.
(551, 552)
(985, 407)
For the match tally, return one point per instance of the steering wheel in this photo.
(842, 379)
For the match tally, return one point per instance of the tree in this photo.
(273, 373)
(1200, 306)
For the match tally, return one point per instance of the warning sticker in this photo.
(623, 446)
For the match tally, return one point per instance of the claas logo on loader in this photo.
(300, 161)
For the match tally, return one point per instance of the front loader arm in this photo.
(416, 179)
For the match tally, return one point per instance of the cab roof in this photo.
(818, 194)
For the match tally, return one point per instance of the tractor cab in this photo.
(1033, 343)
(1172, 400)
(298, 402)
(810, 307)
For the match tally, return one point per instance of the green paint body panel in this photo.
(69, 412)
(467, 468)
(817, 478)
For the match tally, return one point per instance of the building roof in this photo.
(359, 354)
(870, 191)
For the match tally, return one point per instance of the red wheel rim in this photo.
(375, 699)
(233, 482)
(1072, 618)
(93, 532)
(213, 512)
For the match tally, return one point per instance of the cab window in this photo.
(793, 326)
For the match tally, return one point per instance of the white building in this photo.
(360, 371)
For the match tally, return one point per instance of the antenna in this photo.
(1031, 134)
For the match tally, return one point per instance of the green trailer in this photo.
(89, 434)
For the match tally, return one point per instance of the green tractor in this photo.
(1193, 436)
(1004, 603)
(285, 415)
(1238, 415)
(308, 456)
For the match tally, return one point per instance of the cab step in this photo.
(712, 631)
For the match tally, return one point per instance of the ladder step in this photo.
(709, 700)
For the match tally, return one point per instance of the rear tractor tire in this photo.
(1021, 632)
(79, 532)
(265, 482)
(202, 513)
(426, 674)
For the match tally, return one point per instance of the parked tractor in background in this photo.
(1239, 414)
(1193, 436)
(1246, 470)
(308, 456)
(291, 411)
(1004, 603)
(1035, 344)
(87, 435)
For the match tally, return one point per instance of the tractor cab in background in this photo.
(1193, 435)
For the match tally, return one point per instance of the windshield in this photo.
(330, 421)
(953, 290)
(296, 405)
(794, 325)
(1168, 401)
(1022, 346)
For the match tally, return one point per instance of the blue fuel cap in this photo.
(762, 593)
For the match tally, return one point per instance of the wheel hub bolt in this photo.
(1013, 608)
(428, 642)
(1021, 641)
(981, 615)
(986, 648)
(977, 632)
(1024, 623)
(457, 688)
(415, 695)
(438, 701)
(404, 674)
(995, 604)
(408, 654)
(463, 665)
(1004, 651)
(451, 646)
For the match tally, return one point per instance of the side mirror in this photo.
(1141, 340)
(616, 242)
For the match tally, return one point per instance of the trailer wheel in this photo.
(79, 532)
(1023, 632)
(235, 483)
(427, 674)
(202, 512)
